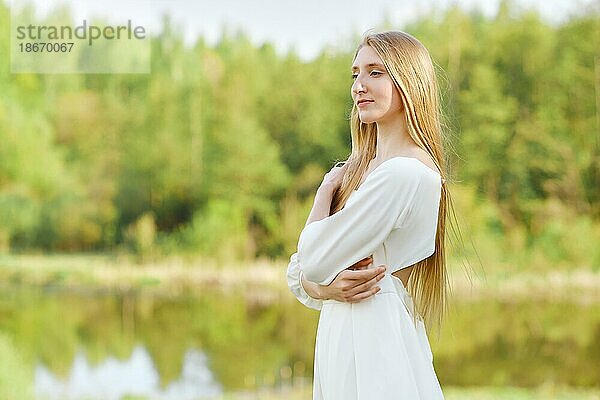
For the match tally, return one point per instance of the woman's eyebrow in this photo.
(377, 65)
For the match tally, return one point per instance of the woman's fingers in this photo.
(351, 286)
(364, 274)
(365, 295)
(366, 286)
(335, 175)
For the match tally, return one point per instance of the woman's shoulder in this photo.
(415, 170)
(418, 161)
(424, 157)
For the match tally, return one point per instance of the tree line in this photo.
(219, 150)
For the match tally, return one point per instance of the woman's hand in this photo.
(322, 204)
(355, 284)
(333, 179)
(352, 285)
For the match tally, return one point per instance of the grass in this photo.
(103, 273)
(176, 276)
(511, 393)
(451, 393)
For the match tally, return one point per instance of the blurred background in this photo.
(146, 220)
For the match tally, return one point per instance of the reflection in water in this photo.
(113, 379)
(247, 346)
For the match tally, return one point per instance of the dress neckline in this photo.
(419, 162)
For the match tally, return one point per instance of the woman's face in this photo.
(373, 90)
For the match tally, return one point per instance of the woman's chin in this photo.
(370, 116)
(366, 117)
(366, 120)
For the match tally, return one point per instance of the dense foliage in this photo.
(219, 150)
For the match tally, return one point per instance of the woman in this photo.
(388, 209)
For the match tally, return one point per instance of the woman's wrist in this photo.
(313, 289)
(326, 190)
(322, 204)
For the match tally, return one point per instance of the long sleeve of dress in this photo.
(294, 281)
(328, 246)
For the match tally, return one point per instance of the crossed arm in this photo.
(352, 285)
(331, 246)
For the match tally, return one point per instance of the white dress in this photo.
(372, 350)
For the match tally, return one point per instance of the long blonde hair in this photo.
(408, 63)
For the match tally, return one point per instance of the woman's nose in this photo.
(358, 87)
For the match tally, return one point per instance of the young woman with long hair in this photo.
(371, 256)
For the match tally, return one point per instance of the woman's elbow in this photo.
(309, 269)
(309, 264)
(313, 275)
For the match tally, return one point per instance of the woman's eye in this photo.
(372, 73)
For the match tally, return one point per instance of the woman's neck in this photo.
(392, 138)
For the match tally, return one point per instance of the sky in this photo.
(307, 26)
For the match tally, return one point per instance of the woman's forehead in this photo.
(367, 57)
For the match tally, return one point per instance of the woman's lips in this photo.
(363, 103)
